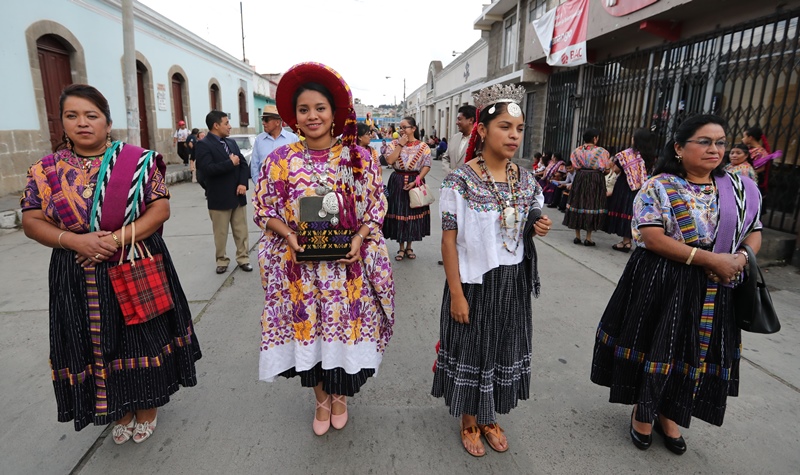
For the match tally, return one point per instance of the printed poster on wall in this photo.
(563, 29)
(161, 97)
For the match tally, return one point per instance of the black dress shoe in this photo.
(222, 269)
(246, 267)
(577, 241)
(641, 441)
(589, 243)
(675, 445)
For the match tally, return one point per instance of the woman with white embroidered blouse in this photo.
(491, 210)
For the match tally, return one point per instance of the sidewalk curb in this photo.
(11, 220)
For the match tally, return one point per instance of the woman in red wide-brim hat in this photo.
(327, 317)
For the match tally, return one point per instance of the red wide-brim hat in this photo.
(302, 73)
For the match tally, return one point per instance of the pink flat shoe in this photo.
(338, 421)
(321, 427)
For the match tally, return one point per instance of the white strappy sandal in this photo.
(123, 433)
(144, 430)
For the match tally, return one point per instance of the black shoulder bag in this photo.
(752, 304)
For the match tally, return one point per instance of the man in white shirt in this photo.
(179, 139)
(457, 146)
(272, 137)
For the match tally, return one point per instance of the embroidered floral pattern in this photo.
(312, 304)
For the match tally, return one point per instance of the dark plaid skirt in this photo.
(102, 368)
(586, 208)
(334, 381)
(402, 222)
(647, 347)
(484, 367)
(620, 208)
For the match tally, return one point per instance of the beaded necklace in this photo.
(88, 162)
(509, 216)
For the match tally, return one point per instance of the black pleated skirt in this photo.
(102, 368)
(403, 223)
(484, 367)
(647, 347)
(586, 208)
(334, 381)
(620, 208)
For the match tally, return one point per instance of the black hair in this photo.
(362, 129)
(313, 86)
(644, 142)
(413, 123)
(195, 131)
(669, 163)
(755, 132)
(487, 117)
(468, 111)
(84, 91)
(589, 134)
(214, 117)
(557, 157)
(537, 155)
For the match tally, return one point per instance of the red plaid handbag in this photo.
(140, 285)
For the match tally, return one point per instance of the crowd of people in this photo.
(665, 344)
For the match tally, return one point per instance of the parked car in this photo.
(245, 143)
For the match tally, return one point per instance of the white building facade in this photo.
(53, 43)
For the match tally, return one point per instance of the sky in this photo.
(364, 40)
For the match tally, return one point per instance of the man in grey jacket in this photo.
(457, 146)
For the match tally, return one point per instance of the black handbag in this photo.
(752, 304)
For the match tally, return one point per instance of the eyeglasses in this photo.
(404, 127)
(721, 144)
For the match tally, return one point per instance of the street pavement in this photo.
(232, 423)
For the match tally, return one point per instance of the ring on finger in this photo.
(97, 256)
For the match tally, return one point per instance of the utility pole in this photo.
(129, 71)
(404, 96)
(241, 18)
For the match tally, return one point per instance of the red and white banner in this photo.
(562, 33)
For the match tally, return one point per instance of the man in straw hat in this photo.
(271, 138)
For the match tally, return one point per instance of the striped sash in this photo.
(129, 168)
(736, 221)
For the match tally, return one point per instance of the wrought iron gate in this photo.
(561, 90)
(748, 74)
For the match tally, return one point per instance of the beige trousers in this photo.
(237, 220)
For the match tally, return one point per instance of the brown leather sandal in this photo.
(496, 432)
(472, 434)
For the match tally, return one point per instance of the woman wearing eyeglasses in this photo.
(667, 342)
(411, 160)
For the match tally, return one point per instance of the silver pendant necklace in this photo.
(509, 215)
(324, 187)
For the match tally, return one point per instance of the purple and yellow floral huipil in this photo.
(322, 311)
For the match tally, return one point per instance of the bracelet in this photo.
(289, 234)
(691, 256)
(361, 236)
(745, 254)
(116, 240)
(59, 239)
